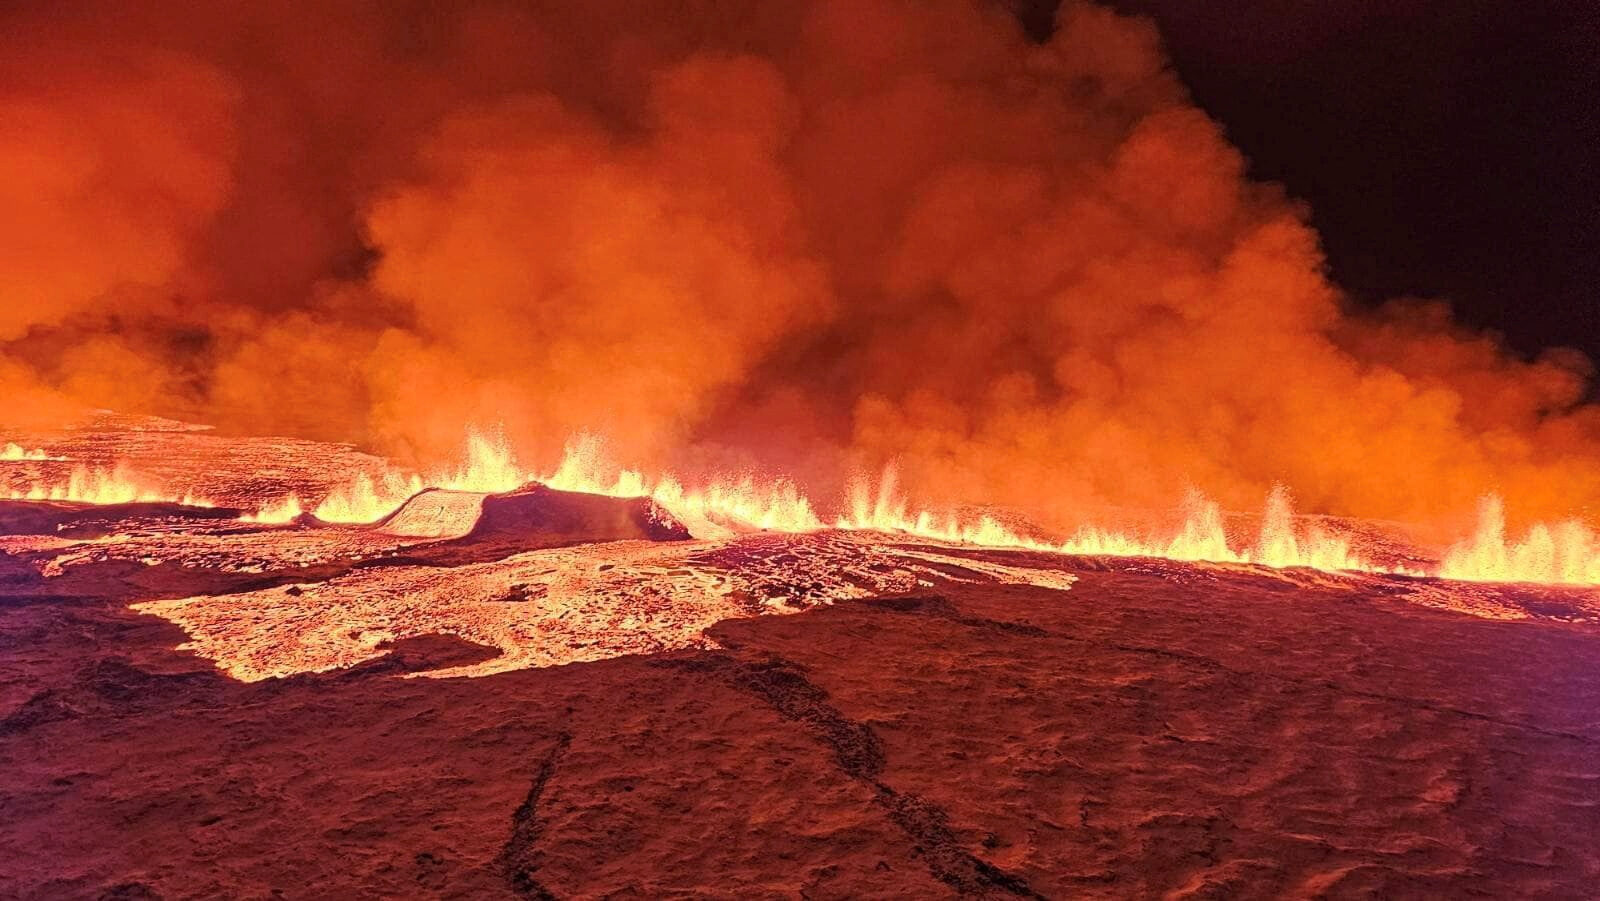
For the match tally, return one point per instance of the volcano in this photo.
(798, 449)
(543, 693)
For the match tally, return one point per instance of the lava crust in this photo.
(548, 694)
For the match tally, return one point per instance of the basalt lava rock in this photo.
(536, 515)
(80, 520)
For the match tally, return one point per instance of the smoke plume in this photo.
(812, 236)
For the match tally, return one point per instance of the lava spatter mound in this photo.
(434, 513)
(538, 510)
(532, 516)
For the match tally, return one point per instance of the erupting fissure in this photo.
(13, 452)
(1565, 554)
(116, 484)
(1027, 266)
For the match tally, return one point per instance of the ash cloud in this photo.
(814, 236)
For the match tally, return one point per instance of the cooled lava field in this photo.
(543, 693)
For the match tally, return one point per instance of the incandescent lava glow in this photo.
(368, 498)
(100, 485)
(13, 452)
(728, 505)
(284, 510)
(1026, 266)
(489, 467)
(1202, 537)
(774, 504)
(1565, 553)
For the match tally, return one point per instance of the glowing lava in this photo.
(1200, 538)
(100, 485)
(284, 510)
(774, 505)
(1566, 553)
(13, 452)
(489, 467)
(561, 605)
(746, 503)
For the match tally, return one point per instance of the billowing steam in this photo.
(817, 236)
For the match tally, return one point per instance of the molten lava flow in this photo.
(561, 605)
(1566, 553)
(101, 485)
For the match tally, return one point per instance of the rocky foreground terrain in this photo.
(547, 695)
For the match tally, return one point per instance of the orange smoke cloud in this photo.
(581, 281)
(821, 235)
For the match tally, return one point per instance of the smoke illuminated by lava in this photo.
(810, 238)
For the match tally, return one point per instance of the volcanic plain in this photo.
(547, 694)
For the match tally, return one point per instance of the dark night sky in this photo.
(1448, 148)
